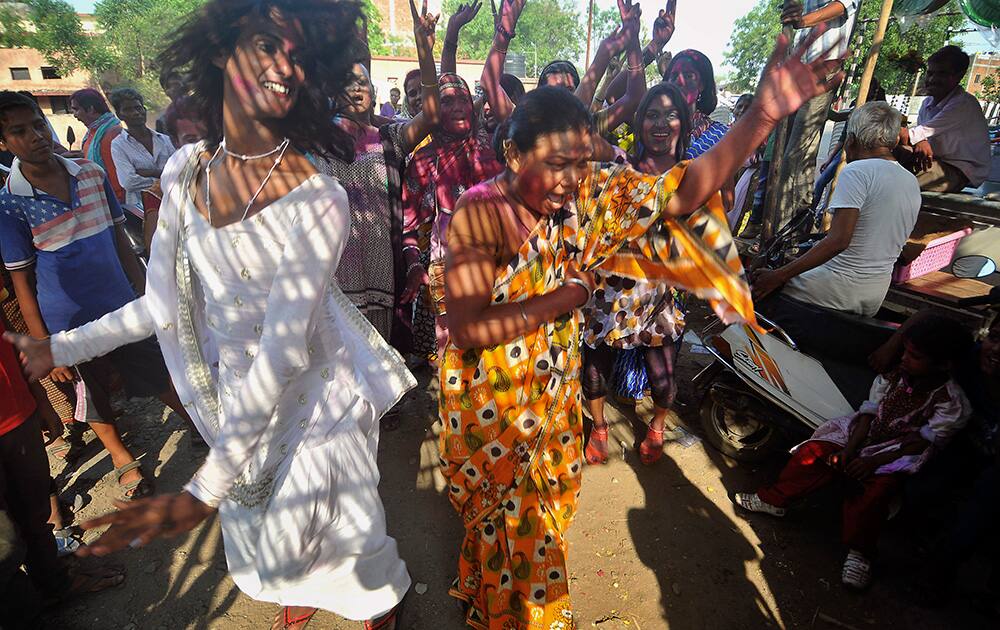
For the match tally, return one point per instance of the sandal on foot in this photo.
(293, 618)
(597, 446)
(857, 571)
(388, 621)
(134, 489)
(83, 581)
(59, 449)
(651, 449)
(67, 542)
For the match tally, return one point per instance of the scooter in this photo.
(762, 392)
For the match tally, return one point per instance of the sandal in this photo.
(388, 621)
(597, 446)
(857, 571)
(67, 543)
(59, 449)
(134, 489)
(288, 619)
(85, 581)
(651, 449)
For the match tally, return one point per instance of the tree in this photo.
(13, 34)
(133, 33)
(547, 30)
(753, 35)
(59, 36)
(901, 53)
(990, 89)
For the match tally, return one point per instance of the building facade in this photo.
(983, 65)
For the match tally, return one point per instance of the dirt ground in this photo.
(651, 547)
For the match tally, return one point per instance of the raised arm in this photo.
(613, 44)
(462, 16)
(785, 85)
(663, 30)
(792, 14)
(506, 21)
(420, 126)
(624, 108)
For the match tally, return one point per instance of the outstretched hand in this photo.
(424, 26)
(508, 14)
(36, 354)
(463, 15)
(788, 83)
(663, 25)
(137, 523)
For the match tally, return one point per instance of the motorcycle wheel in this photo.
(731, 425)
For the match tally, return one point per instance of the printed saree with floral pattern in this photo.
(511, 445)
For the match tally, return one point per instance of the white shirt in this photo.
(838, 33)
(856, 280)
(957, 132)
(129, 155)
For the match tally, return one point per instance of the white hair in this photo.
(875, 125)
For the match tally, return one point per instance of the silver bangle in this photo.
(581, 283)
(524, 314)
(413, 264)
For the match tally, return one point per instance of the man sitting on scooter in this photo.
(875, 207)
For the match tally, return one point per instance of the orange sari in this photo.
(511, 447)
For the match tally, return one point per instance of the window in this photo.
(20, 74)
(48, 72)
(59, 104)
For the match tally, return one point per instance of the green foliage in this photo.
(751, 40)
(754, 34)
(377, 43)
(133, 33)
(605, 22)
(547, 30)
(900, 53)
(990, 89)
(12, 31)
(59, 35)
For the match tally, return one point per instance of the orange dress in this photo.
(511, 446)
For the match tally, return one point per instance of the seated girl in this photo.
(911, 413)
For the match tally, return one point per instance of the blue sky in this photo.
(701, 24)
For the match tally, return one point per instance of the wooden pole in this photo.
(590, 26)
(772, 207)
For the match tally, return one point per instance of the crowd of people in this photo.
(300, 247)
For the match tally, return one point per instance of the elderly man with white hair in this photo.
(875, 207)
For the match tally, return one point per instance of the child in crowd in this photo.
(910, 414)
(61, 241)
(25, 536)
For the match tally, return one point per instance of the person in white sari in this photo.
(283, 377)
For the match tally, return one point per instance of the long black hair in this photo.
(326, 56)
(672, 92)
(707, 99)
(542, 111)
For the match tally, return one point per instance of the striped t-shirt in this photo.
(79, 277)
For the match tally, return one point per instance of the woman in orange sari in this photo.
(520, 250)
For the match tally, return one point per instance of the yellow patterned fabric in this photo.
(511, 446)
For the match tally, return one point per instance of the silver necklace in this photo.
(246, 158)
(280, 150)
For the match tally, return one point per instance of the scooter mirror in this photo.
(973, 267)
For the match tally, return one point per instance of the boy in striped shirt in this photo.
(70, 263)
